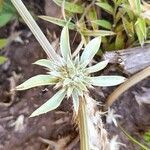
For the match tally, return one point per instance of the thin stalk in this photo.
(126, 85)
(83, 127)
(133, 139)
(25, 14)
(86, 10)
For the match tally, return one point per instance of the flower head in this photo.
(71, 75)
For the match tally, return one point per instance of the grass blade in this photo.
(126, 85)
(71, 7)
(59, 22)
(35, 29)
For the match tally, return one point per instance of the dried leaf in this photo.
(97, 33)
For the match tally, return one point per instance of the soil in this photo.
(55, 130)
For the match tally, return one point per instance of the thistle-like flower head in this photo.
(71, 76)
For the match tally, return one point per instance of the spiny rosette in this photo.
(71, 76)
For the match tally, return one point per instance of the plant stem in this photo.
(83, 125)
(133, 139)
(25, 14)
(86, 11)
(126, 85)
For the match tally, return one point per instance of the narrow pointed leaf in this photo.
(69, 91)
(140, 28)
(51, 104)
(97, 33)
(75, 99)
(55, 74)
(97, 67)
(59, 22)
(45, 63)
(71, 7)
(108, 8)
(64, 43)
(135, 6)
(107, 80)
(90, 50)
(38, 80)
(128, 26)
(39, 35)
(103, 23)
(70, 64)
(120, 41)
(92, 15)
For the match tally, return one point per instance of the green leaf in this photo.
(135, 6)
(97, 33)
(147, 136)
(45, 63)
(65, 44)
(106, 80)
(2, 60)
(108, 8)
(71, 7)
(75, 99)
(51, 104)
(120, 41)
(92, 15)
(59, 22)
(8, 7)
(128, 26)
(103, 23)
(119, 2)
(5, 18)
(119, 15)
(3, 43)
(128, 10)
(38, 80)
(140, 28)
(90, 50)
(99, 66)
